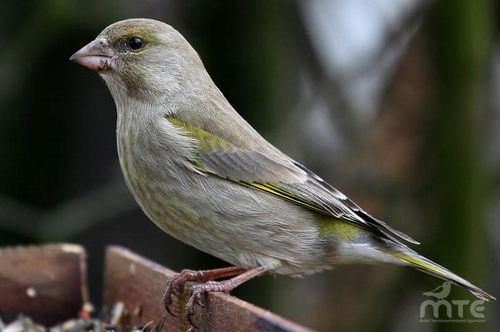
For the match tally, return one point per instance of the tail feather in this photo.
(426, 265)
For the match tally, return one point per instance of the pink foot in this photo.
(175, 285)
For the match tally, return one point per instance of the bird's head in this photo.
(143, 59)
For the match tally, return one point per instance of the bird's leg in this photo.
(176, 284)
(218, 286)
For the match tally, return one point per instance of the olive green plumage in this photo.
(205, 176)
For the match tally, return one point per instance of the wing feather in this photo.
(280, 176)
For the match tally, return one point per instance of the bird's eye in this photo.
(135, 43)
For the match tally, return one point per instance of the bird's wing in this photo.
(281, 176)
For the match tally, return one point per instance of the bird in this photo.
(440, 292)
(206, 177)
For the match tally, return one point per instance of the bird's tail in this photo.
(412, 259)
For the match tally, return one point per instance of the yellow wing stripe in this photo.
(420, 263)
(271, 189)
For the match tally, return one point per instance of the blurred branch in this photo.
(357, 82)
(76, 215)
(18, 217)
(69, 218)
(397, 35)
(323, 86)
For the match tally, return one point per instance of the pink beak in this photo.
(96, 56)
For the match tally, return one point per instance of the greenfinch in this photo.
(203, 175)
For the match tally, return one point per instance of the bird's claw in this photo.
(205, 283)
(195, 299)
(175, 288)
(198, 296)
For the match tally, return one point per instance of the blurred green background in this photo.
(395, 102)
